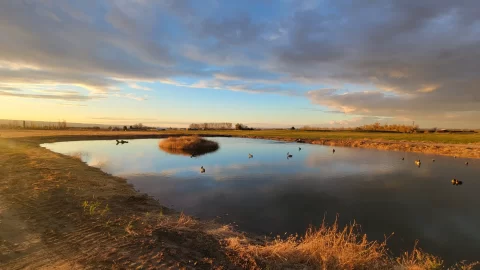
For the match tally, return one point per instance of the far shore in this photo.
(458, 145)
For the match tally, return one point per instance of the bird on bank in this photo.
(202, 170)
(250, 156)
(418, 163)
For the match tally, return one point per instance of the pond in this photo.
(273, 194)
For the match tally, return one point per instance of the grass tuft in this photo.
(188, 145)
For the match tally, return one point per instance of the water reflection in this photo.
(271, 194)
(193, 153)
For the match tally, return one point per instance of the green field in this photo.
(455, 138)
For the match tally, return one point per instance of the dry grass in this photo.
(331, 247)
(188, 145)
(327, 247)
(417, 259)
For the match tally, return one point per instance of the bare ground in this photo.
(47, 222)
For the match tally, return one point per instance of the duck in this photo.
(288, 155)
(456, 182)
(202, 170)
(466, 163)
(433, 160)
(250, 155)
(193, 155)
(299, 149)
(333, 151)
(403, 158)
(418, 163)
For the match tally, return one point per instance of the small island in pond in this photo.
(188, 145)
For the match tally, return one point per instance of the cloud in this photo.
(417, 59)
(66, 97)
(139, 87)
(237, 30)
(131, 96)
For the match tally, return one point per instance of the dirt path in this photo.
(59, 213)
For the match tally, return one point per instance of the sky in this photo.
(263, 63)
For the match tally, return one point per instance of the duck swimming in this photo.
(456, 182)
(288, 155)
(202, 170)
(250, 156)
(418, 163)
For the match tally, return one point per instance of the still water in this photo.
(272, 194)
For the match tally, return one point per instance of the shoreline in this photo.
(458, 150)
(61, 213)
(470, 150)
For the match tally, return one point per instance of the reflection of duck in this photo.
(250, 156)
(202, 170)
(456, 182)
(288, 155)
(417, 162)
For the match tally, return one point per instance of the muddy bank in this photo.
(58, 213)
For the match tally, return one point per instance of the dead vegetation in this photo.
(188, 145)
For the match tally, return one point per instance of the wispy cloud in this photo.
(68, 97)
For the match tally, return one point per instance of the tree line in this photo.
(211, 126)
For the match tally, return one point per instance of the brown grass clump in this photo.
(327, 247)
(188, 145)
(331, 247)
(417, 259)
